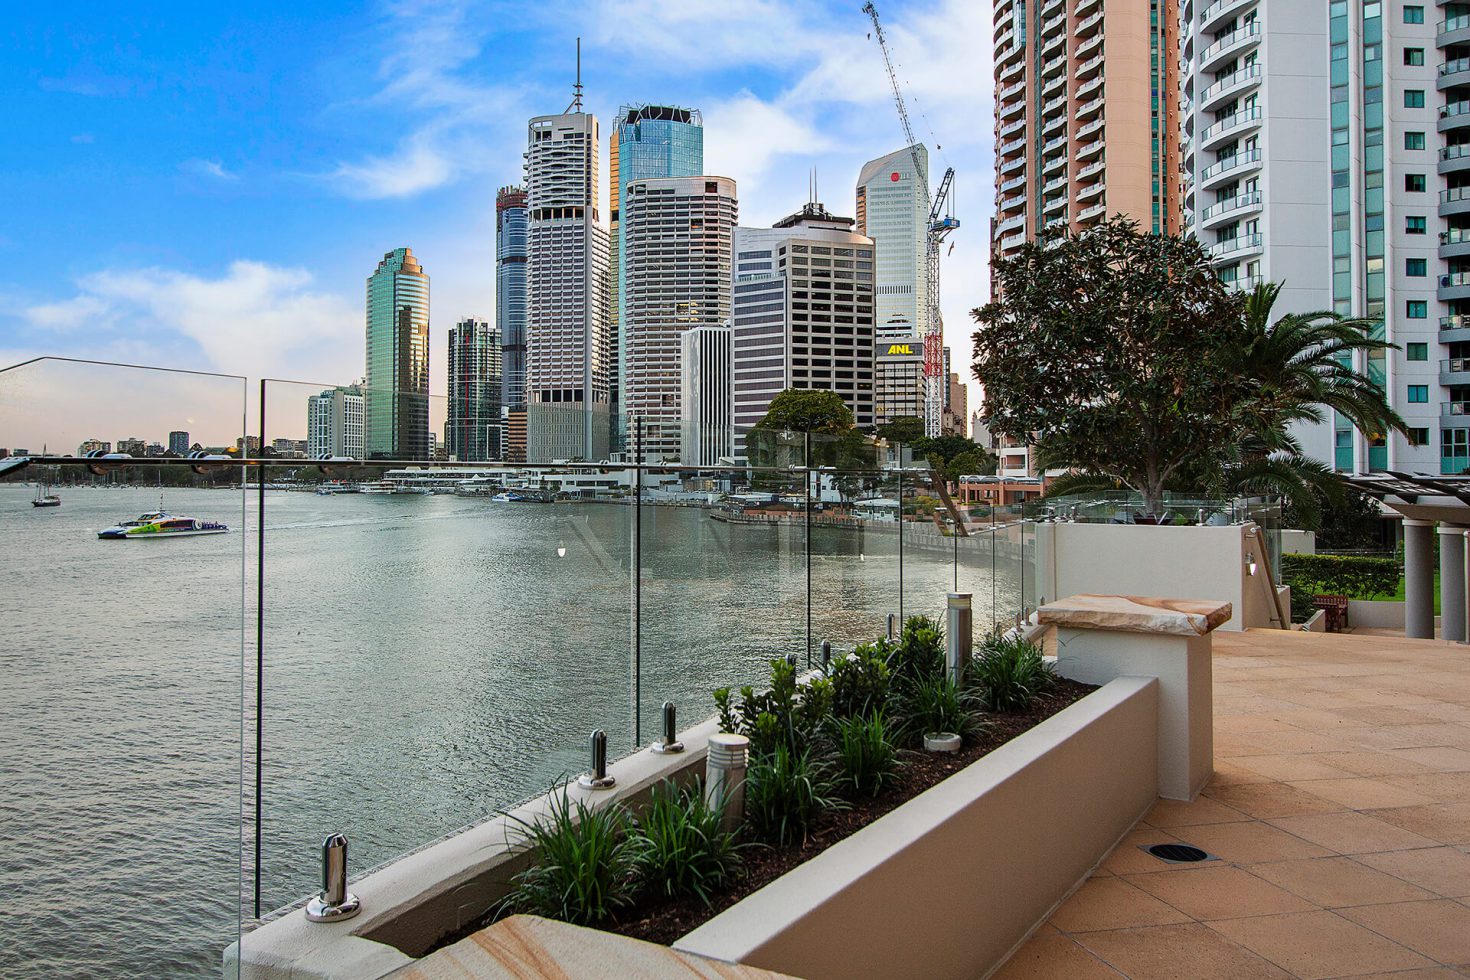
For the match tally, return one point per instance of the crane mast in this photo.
(939, 226)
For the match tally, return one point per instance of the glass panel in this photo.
(119, 727)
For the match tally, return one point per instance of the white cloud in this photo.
(745, 135)
(208, 168)
(417, 166)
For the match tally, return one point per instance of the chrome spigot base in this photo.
(666, 748)
(589, 781)
(317, 910)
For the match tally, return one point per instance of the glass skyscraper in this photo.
(510, 290)
(473, 430)
(397, 396)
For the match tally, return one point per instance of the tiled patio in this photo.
(1340, 814)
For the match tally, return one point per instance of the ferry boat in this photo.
(157, 524)
(381, 486)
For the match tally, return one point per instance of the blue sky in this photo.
(207, 185)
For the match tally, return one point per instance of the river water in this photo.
(428, 660)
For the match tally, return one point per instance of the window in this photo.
(1414, 56)
(1416, 224)
(1417, 352)
(1413, 98)
(1413, 15)
(1418, 394)
(1413, 141)
(1414, 183)
(1417, 268)
(1417, 309)
(1419, 437)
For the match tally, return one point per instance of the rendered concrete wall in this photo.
(966, 870)
(1130, 559)
(1298, 542)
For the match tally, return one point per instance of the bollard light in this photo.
(596, 776)
(670, 741)
(791, 660)
(335, 903)
(959, 635)
(892, 626)
(724, 777)
(826, 655)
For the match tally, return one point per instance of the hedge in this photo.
(1355, 576)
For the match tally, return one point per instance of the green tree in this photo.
(903, 429)
(808, 410)
(799, 417)
(976, 462)
(1107, 348)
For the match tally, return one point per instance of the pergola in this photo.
(1427, 504)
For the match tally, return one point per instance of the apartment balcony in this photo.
(1454, 159)
(1455, 285)
(1455, 30)
(1050, 165)
(1016, 164)
(1088, 109)
(1014, 202)
(1054, 46)
(1454, 200)
(1053, 144)
(1010, 224)
(1090, 169)
(1051, 205)
(1453, 73)
(1057, 83)
(1060, 221)
(1230, 168)
(1245, 284)
(1054, 125)
(1454, 116)
(1454, 371)
(1056, 183)
(1088, 151)
(1090, 46)
(1454, 329)
(1454, 243)
(1012, 107)
(1231, 86)
(1010, 91)
(1089, 87)
(1087, 25)
(1232, 45)
(1090, 214)
(1234, 249)
(1012, 66)
(1012, 241)
(1083, 6)
(1013, 127)
(1092, 127)
(1088, 68)
(1012, 184)
(1058, 22)
(1215, 15)
(1051, 67)
(1007, 147)
(1003, 10)
(1232, 209)
(1091, 191)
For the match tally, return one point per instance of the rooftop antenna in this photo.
(577, 88)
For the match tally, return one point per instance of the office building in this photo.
(133, 447)
(473, 429)
(957, 407)
(898, 376)
(178, 443)
(510, 291)
(678, 239)
(88, 446)
(397, 388)
(803, 314)
(567, 341)
(647, 141)
(336, 423)
(705, 397)
(1060, 161)
(892, 210)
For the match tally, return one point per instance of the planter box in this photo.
(953, 881)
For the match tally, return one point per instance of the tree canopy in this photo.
(808, 410)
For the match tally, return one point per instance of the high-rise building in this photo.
(397, 392)
(567, 343)
(1060, 161)
(892, 211)
(178, 442)
(803, 314)
(647, 141)
(898, 379)
(678, 237)
(473, 430)
(89, 446)
(133, 446)
(957, 407)
(335, 423)
(705, 397)
(510, 291)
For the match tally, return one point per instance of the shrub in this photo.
(860, 683)
(866, 755)
(788, 713)
(784, 793)
(684, 849)
(1355, 576)
(1302, 604)
(1009, 673)
(585, 866)
(919, 654)
(937, 705)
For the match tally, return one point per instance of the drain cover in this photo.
(1179, 853)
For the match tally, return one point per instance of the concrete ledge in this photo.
(1136, 614)
(948, 884)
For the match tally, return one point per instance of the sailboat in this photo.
(44, 496)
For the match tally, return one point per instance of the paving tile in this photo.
(1447, 823)
(1317, 945)
(1336, 882)
(1438, 787)
(1443, 870)
(1220, 892)
(1266, 800)
(1045, 957)
(1440, 758)
(1203, 809)
(1126, 858)
(1439, 929)
(1318, 720)
(1412, 736)
(1289, 767)
(1429, 973)
(1368, 763)
(1112, 903)
(1243, 723)
(1349, 832)
(1381, 715)
(1247, 843)
(1231, 773)
(1281, 743)
(1361, 792)
(1178, 952)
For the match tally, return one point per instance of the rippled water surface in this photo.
(428, 660)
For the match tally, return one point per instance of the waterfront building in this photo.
(803, 314)
(335, 423)
(89, 446)
(472, 431)
(678, 239)
(705, 396)
(510, 291)
(898, 379)
(397, 389)
(892, 210)
(289, 448)
(647, 141)
(154, 449)
(133, 447)
(178, 443)
(248, 447)
(567, 342)
(515, 435)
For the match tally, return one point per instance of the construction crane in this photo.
(939, 226)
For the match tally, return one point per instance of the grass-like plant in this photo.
(685, 851)
(867, 757)
(937, 704)
(919, 653)
(860, 683)
(1009, 673)
(785, 791)
(585, 865)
